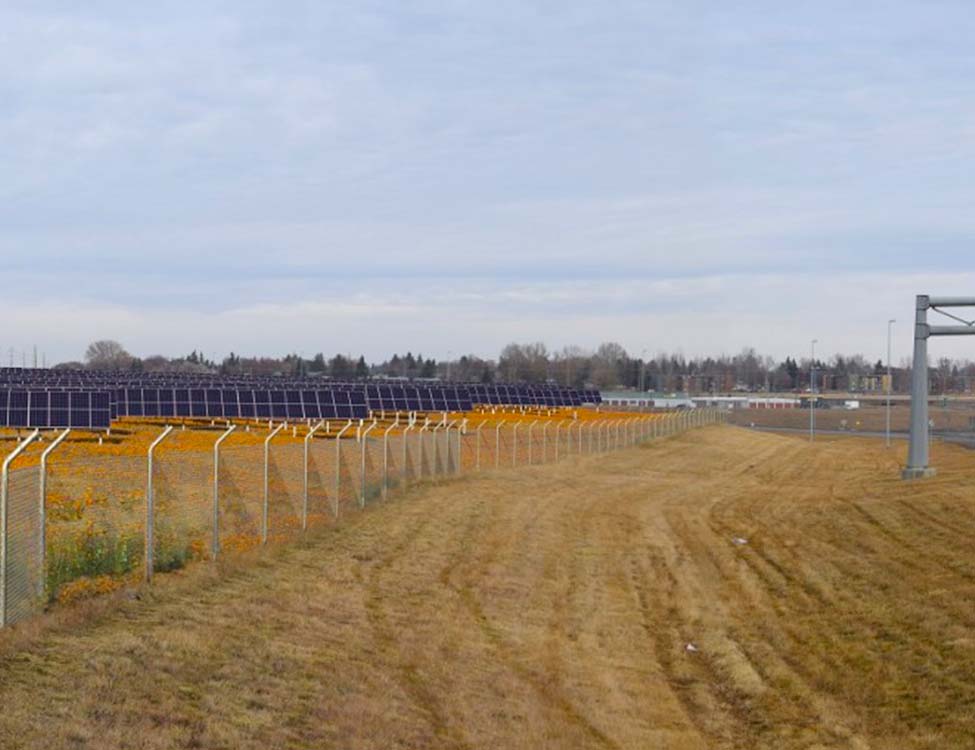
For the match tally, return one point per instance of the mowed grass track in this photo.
(551, 607)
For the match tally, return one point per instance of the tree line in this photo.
(607, 367)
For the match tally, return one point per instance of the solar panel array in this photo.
(241, 403)
(81, 410)
(526, 395)
(92, 399)
(398, 397)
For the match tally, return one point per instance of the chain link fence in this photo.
(86, 524)
(23, 574)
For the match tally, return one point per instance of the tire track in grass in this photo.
(378, 601)
(462, 574)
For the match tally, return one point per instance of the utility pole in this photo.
(643, 371)
(812, 391)
(890, 382)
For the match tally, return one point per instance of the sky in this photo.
(450, 176)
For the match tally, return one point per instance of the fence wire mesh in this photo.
(347, 474)
(372, 469)
(393, 478)
(240, 501)
(24, 576)
(285, 489)
(183, 502)
(321, 482)
(95, 524)
(411, 459)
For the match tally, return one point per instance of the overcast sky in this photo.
(450, 176)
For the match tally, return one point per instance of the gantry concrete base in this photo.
(922, 473)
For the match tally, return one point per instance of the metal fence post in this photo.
(459, 454)
(362, 466)
(450, 450)
(338, 467)
(304, 488)
(215, 542)
(477, 449)
(545, 442)
(267, 483)
(558, 430)
(531, 441)
(150, 504)
(4, 506)
(514, 444)
(426, 426)
(447, 450)
(497, 445)
(406, 450)
(436, 448)
(42, 515)
(386, 456)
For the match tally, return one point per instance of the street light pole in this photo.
(812, 390)
(643, 371)
(890, 382)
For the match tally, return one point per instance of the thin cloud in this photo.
(451, 177)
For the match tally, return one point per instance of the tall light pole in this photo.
(890, 381)
(643, 371)
(812, 390)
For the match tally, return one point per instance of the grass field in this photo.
(553, 606)
(958, 418)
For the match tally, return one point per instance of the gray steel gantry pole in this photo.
(917, 456)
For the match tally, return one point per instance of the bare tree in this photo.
(107, 355)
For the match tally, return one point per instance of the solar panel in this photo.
(171, 395)
(245, 400)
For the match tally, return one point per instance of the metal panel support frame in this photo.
(917, 457)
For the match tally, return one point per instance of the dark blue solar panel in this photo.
(181, 398)
(198, 403)
(262, 404)
(245, 402)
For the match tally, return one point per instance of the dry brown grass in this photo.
(550, 607)
(959, 418)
